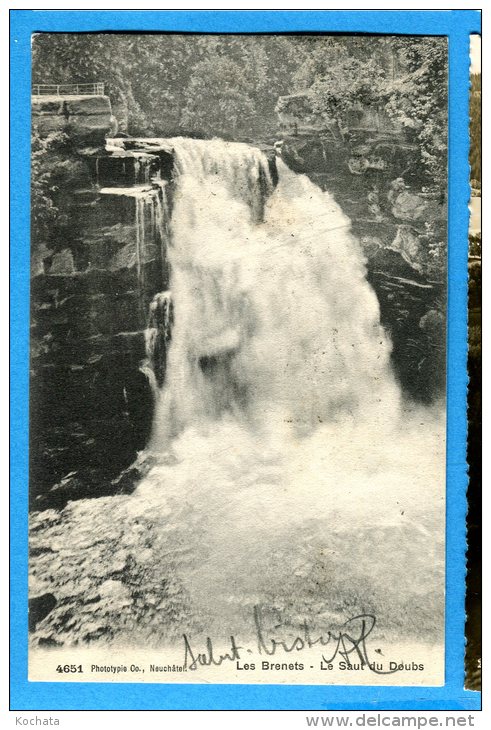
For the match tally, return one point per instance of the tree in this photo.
(89, 58)
(160, 78)
(46, 216)
(223, 84)
(406, 78)
(418, 100)
(218, 98)
(346, 85)
(150, 78)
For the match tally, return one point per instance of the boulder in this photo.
(409, 206)
(308, 154)
(87, 105)
(81, 117)
(47, 105)
(62, 264)
(433, 323)
(371, 245)
(408, 244)
(39, 608)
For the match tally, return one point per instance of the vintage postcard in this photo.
(239, 372)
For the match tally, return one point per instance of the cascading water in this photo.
(285, 473)
(151, 215)
(275, 321)
(157, 339)
(289, 472)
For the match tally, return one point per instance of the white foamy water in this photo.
(287, 464)
(274, 321)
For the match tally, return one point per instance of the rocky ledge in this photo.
(81, 117)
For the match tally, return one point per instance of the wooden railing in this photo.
(68, 89)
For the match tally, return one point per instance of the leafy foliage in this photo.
(342, 75)
(226, 85)
(433, 258)
(419, 100)
(163, 83)
(404, 79)
(46, 216)
(219, 98)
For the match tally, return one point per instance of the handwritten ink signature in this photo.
(193, 660)
(349, 643)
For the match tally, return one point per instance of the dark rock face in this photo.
(39, 608)
(395, 222)
(411, 313)
(91, 399)
(91, 396)
(309, 154)
(98, 349)
(83, 118)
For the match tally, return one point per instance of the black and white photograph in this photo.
(237, 449)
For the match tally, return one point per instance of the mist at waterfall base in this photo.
(288, 470)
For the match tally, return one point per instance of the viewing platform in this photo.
(96, 89)
(82, 111)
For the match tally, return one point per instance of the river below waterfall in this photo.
(284, 469)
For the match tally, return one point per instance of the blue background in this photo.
(97, 696)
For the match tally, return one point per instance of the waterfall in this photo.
(150, 215)
(287, 469)
(275, 322)
(162, 218)
(157, 338)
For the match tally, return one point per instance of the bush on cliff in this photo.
(46, 216)
(405, 79)
(55, 171)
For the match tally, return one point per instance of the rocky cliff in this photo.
(100, 309)
(81, 117)
(94, 275)
(99, 281)
(401, 224)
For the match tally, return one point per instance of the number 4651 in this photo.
(69, 668)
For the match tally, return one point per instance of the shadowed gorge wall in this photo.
(101, 309)
(92, 284)
(98, 338)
